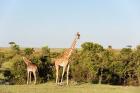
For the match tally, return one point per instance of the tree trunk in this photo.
(138, 76)
(100, 77)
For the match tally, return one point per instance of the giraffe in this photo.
(63, 61)
(31, 68)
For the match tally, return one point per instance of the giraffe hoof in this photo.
(61, 84)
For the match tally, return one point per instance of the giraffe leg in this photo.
(34, 77)
(63, 74)
(28, 77)
(57, 68)
(30, 73)
(68, 74)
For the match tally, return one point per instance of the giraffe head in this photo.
(78, 35)
(24, 59)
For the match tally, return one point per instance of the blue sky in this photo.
(36, 23)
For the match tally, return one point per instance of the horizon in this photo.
(54, 23)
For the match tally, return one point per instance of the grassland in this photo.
(52, 88)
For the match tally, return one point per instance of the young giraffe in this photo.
(63, 61)
(31, 68)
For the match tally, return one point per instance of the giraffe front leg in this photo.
(27, 77)
(68, 74)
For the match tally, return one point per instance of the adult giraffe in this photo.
(31, 68)
(63, 61)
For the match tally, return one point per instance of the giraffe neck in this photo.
(26, 61)
(74, 43)
(69, 51)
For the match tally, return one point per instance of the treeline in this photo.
(91, 63)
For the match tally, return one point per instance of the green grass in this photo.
(52, 88)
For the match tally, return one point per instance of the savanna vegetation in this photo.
(50, 87)
(92, 63)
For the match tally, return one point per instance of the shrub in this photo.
(17, 69)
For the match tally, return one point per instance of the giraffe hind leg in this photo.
(30, 75)
(34, 77)
(63, 74)
(57, 68)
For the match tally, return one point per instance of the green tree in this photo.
(126, 65)
(15, 48)
(45, 51)
(28, 51)
(17, 69)
(2, 58)
(45, 65)
(86, 67)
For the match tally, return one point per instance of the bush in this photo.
(28, 51)
(17, 69)
(82, 68)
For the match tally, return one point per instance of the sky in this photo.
(37, 23)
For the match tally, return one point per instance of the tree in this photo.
(136, 63)
(28, 51)
(86, 62)
(109, 47)
(90, 46)
(15, 48)
(12, 43)
(2, 57)
(45, 51)
(127, 65)
(17, 69)
(45, 65)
